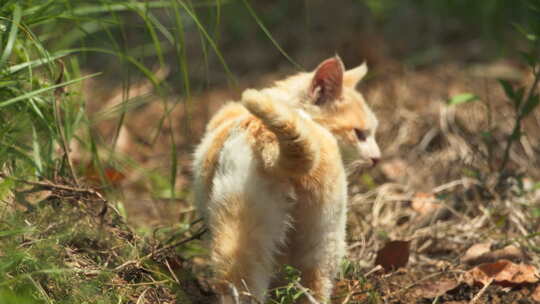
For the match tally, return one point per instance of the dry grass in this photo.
(437, 185)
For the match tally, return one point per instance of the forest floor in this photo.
(455, 228)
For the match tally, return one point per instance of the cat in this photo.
(270, 181)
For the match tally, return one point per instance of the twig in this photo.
(171, 271)
(375, 269)
(234, 293)
(139, 284)
(197, 235)
(248, 293)
(140, 300)
(481, 292)
(465, 182)
(306, 292)
(350, 293)
(52, 186)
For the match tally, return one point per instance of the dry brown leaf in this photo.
(437, 288)
(474, 252)
(110, 174)
(394, 169)
(536, 294)
(509, 252)
(502, 272)
(424, 203)
(393, 255)
(480, 253)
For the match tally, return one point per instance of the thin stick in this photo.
(307, 293)
(481, 292)
(137, 261)
(350, 293)
(234, 292)
(51, 186)
(375, 269)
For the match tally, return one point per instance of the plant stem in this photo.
(519, 117)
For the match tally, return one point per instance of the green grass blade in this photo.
(267, 33)
(39, 91)
(162, 29)
(210, 41)
(38, 62)
(17, 12)
(153, 35)
(36, 151)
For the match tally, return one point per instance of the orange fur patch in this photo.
(228, 113)
(263, 142)
(211, 157)
(313, 279)
(345, 118)
(237, 250)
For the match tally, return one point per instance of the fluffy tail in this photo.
(298, 154)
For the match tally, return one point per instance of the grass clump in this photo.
(72, 252)
(59, 241)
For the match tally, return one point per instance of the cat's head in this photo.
(333, 101)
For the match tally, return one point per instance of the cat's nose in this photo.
(375, 161)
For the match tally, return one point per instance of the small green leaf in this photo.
(531, 37)
(462, 98)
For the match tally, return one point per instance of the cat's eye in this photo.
(361, 135)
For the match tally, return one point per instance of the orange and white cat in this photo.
(270, 180)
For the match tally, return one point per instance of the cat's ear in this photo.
(353, 76)
(327, 83)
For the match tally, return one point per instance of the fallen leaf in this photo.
(536, 294)
(474, 252)
(503, 273)
(437, 288)
(480, 253)
(509, 252)
(110, 174)
(393, 255)
(424, 203)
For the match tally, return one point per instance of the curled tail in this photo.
(298, 153)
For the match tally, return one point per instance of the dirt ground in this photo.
(434, 189)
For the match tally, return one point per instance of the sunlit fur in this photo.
(271, 185)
